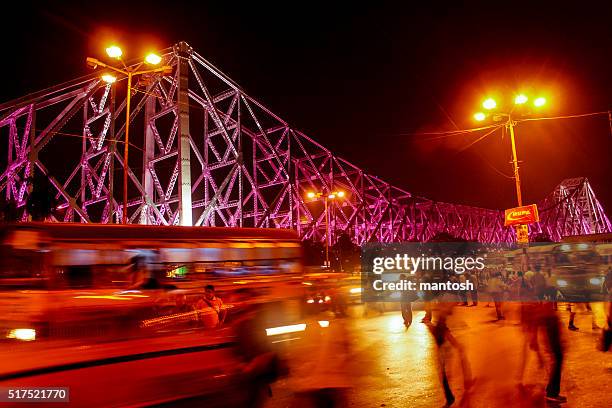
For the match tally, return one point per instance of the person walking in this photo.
(496, 289)
(473, 278)
(446, 342)
(406, 299)
(549, 321)
(606, 334)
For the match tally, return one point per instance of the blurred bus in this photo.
(110, 310)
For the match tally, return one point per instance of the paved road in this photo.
(390, 366)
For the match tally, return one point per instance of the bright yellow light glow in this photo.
(273, 331)
(520, 99)
(479, 116)
(355, 290)
(307, 283)
(331, 196)
(114, 52)
(109, 79)
(310, 194)
(324, 323)
(541, 101)
(109, 297)
(489, 103)
(340, 194)
(310, 301)
(22, 334)
(153, 59)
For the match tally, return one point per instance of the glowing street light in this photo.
(153, 59)
(115, 52)
(326, 197)
(479, 116)
(489, 104)
(109, 79)
(520, 99)
(541, 101)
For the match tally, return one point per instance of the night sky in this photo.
(366, 80)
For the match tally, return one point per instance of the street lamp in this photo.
(519, 101)
(325, 197)
(151, 59)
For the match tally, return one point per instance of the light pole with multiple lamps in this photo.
(129, 72)
(325, 197)
(520, 102)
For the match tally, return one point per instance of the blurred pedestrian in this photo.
(261, 365)
(473, 278)
(463, 293)
(446, 342)
(322, 380)
(549, 320)
(428, 297)
(606, 335)
(496, 289)
(406, 299)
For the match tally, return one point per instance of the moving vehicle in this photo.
(115, 311)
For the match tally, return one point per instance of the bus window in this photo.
(79, 276)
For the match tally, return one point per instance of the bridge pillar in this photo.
(183, 52)
(149, 154)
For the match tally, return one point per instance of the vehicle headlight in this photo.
(355, 290)
(595, 281)
(561, 283)
(327, 298)
(310, 301)
(22, 334)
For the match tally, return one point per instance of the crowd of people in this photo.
(535, 294)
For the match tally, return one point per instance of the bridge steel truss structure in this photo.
(203, 152)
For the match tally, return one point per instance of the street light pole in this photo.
(125, 147)
(519, 100)
(326, 197)
(515, 165)
(129, 72)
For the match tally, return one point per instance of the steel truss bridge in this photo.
(203, 152)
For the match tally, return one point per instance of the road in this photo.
(391, 366)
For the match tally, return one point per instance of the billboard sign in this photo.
(526, 214)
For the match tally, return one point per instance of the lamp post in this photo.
(520, 100)
(326, 197)
(129, 72)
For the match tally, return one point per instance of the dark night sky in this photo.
(361, 79)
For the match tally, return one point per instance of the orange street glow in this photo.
(274, 331)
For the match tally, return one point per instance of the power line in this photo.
(581, 115)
